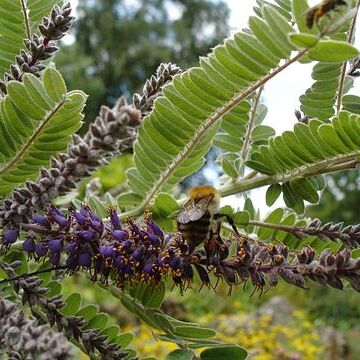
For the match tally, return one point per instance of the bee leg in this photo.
(229, 220)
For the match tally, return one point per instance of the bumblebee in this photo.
(198, 219)
(314, 14)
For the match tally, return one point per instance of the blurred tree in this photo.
(119, 43)
(340, 200)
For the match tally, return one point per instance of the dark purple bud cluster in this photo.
(132, 253)
(153, 87)
(27, 337)
(349, 235)
(40, 47)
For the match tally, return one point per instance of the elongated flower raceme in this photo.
(133, 252)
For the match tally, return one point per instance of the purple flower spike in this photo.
(154, 239)
(154, 228)
(97, 225)
(10, 236)
(137, 254)
(40, 220)
(81, 219)
(55, 245)
(148, 268)
(29, 245)
(120, 235)
(84, 259)
(71, 246)
(61, 220)
(40, 249)
(114, 219)
(85, 235)
(107, 251)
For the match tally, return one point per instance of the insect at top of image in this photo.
(315, 13)
(198, 220)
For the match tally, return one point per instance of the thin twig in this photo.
(34, 273)
(249, 129)
(26, 19)
(343, 69)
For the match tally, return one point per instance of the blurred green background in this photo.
(118, 44)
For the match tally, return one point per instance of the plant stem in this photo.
(26, 19)
(249, 129)
(335, 164)
(343, 69)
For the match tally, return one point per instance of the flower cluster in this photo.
(23, 337)
(153, 87)
(142, 253)
(73, 327)
(40, 48)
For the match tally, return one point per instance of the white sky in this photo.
(280, 94)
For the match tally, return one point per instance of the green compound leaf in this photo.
(37, 118)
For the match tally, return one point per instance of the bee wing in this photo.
(193, 211)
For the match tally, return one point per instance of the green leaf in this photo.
(54, 288)
(72, 304)
(333, 51)
(274, 218)
(166, 204)
(194, 332)
(123, 340)
(241, 217)
(304, 40)
(180, 354)
(292, 199)
(34, 127)
(97, 206)
(99, 321)
(299, 10)
(87, 312)
(111, 332)
(154, 295)
(228, 352)
(54, 84)
(305, 189)
(272, 194)
(351, 103)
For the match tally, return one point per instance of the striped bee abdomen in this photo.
(196, 232)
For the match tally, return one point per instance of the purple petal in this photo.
(29, 245)
(10, 236)
(120, 235)
(84, 259)
(40, 249)
(55, 245)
